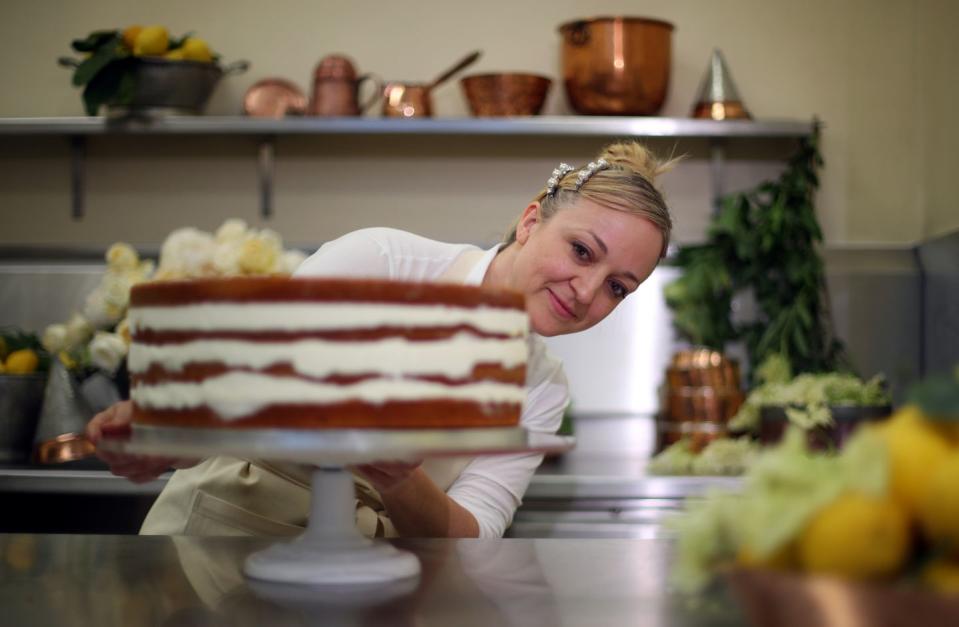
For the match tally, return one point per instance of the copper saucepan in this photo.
(409, 100)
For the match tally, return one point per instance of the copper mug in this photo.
(336, 88)
(407, 100)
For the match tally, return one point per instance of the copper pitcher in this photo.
(336, 88)
(616, 65)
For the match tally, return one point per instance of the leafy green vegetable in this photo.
(722, 456)
(675, 459)
(763, 242)
(782, 489)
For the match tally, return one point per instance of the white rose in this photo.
(187, 252)
(95, 309)
(79, 331)
(226, 259)
(107, 351)
(233, 230)
(121, 256)
(123, 332)
(291, 260)
(54, 338)
(260, 255)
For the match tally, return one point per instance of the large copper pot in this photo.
(616, 65)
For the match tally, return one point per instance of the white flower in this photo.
(291, 260)
(233, 230)
(226, 259)
(107, 351)
(121, 256)
(260, 254)
(123, 331)
(187, 252)
(79, 331)
(95, 309)
(54, 338)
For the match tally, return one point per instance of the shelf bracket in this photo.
(266, 161)
(78, 164)
(717, 161)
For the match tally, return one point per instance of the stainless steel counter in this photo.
(181, 581)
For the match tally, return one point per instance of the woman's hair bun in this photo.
(631, 155)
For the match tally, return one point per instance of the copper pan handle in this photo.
(378, 91)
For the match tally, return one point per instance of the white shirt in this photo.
(492, 487)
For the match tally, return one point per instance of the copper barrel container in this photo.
(616, 65)
(702, 394)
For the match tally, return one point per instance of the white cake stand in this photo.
(331, 551)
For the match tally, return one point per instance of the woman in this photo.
(587, 241)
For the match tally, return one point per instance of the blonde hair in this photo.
(628, 184)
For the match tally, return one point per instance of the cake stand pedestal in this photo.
(331, 551)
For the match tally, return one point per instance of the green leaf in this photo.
(178, 41)
(103, 87)
(94, 40)
(100, 59)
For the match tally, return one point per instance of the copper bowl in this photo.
(509, 93)
(616, 65)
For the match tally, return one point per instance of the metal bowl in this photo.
(174, 86)
(846, 419)
(505, 94)
(21, 398)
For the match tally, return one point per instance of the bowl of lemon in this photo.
(144, 70)
(22, 380)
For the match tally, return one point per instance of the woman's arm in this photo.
(416, 506)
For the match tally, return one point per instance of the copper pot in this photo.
(616, 65)
(412, 100)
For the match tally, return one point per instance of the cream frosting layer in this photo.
(323, 317)
(238, 394)
(453, 357)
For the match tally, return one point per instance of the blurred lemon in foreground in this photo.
(151, 40)
(130, 35)
(23, 361)
(916, 448)
(195, 49)
(942, 575)
(175, 55)
(782, 559)
(939, 507)
(856, 536)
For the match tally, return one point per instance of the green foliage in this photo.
(938, 396)
(763, 242)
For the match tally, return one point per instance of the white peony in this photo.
(261, 253)
(79, 330)
(187, 252)
(123, 331)
(107, 351)
(233, 230)
(291, 260)
(226, 259)
(54, 338)
(122, 257)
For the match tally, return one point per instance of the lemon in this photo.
(175, 55)
(23, 361)
(151, 40)
(939, 507)
(783, 558)
(130, 35)
(195, 49)
(856, 536)
(942, 575)
(916, 448)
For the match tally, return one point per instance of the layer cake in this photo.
(274, 352)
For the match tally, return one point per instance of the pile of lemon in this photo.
(23, 361)
(861, 536)
(155, 41)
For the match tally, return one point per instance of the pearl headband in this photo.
(552, 183)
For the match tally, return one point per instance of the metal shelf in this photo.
(78, 129)
(556, 126)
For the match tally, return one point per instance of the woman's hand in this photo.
(115, 422)
(386, 476)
